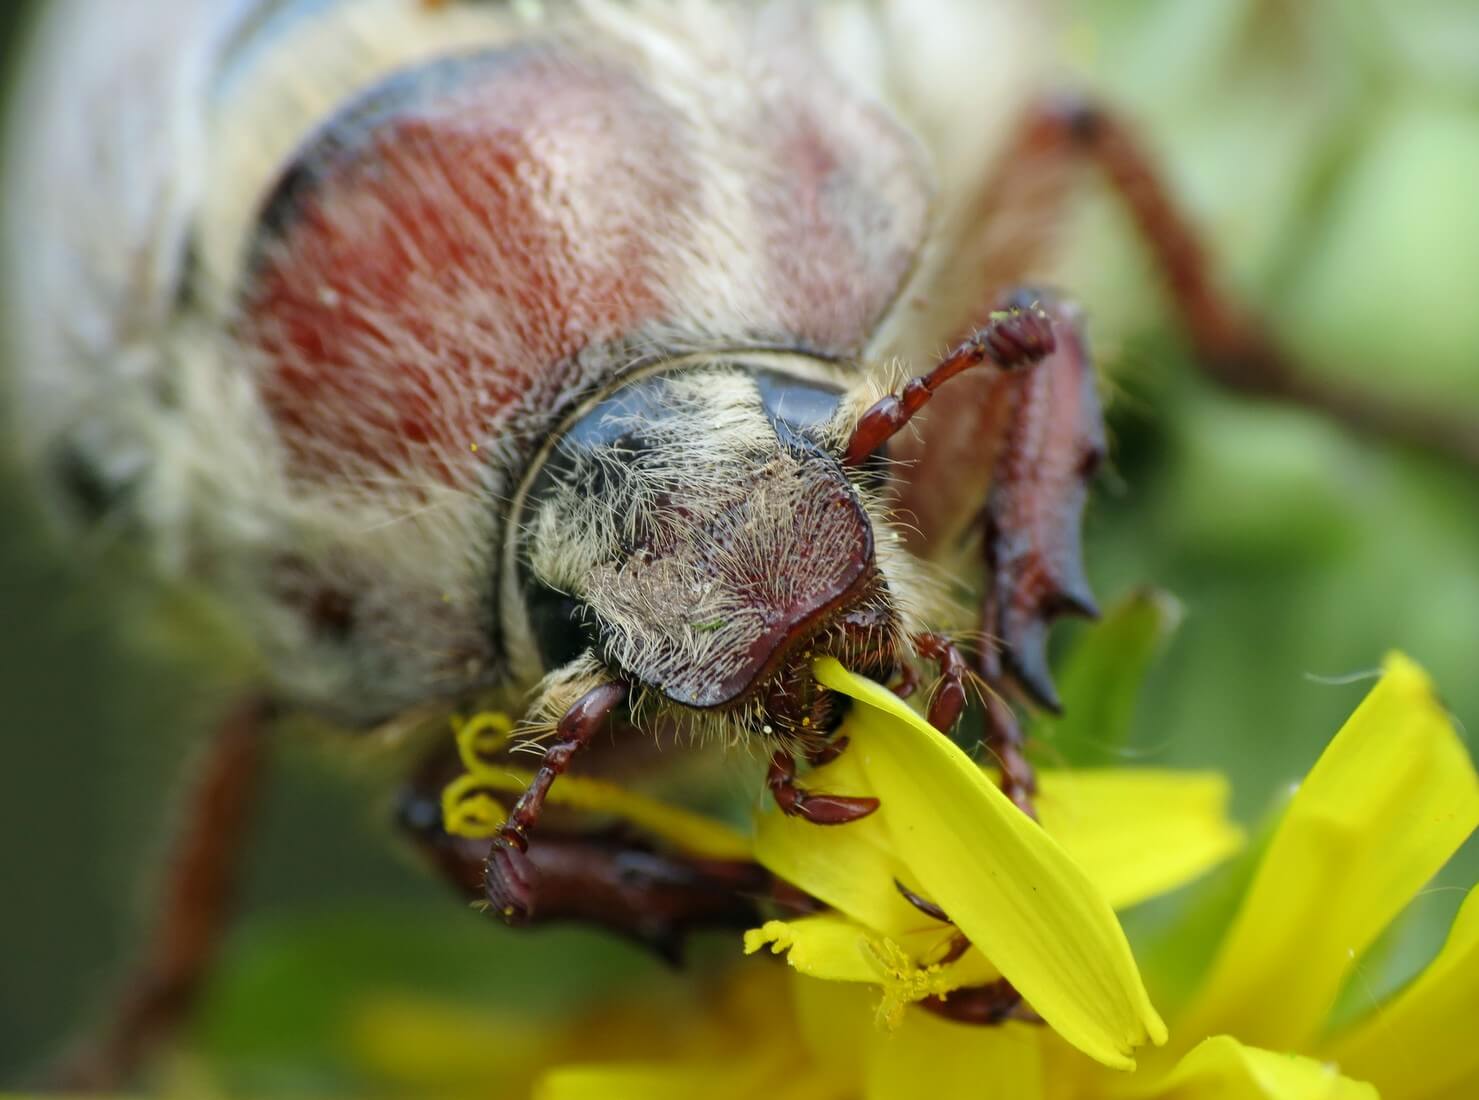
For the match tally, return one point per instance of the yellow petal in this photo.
(822, 946)
(736, 1079)
(691, 832)
(834, 1021)
(928, 1056)
(1221, 1068)
(1005, 883)
(850, 867)
(1421, 1046)
(832, 947)
(1389, 801)
(1139, 833)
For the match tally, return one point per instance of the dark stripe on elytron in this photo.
(350, 130)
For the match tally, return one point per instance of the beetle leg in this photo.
(1004, 741)
(1013, 337)
(949, 697)
(957, 945)
(908, 681)
(610, 879)
(1049, 449)
(1233, 345)
(826, 752)
(986, 1005)
(510, 876)
(1003, 735)
(195, 906)
(924, 905)
(819, 809)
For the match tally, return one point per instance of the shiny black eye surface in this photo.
(562, 626)
(800, 408)
(795, 404)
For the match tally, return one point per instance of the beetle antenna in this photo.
(1012, 338)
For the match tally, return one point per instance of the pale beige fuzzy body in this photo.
(140, 154)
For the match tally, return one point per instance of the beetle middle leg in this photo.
(194, 906)
(1003, 733)
(1039, 435)
(510, 876)
(1232, 344)
(949, 697)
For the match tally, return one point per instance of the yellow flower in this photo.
(1389, 801)
(1032, 914)
(471, 806)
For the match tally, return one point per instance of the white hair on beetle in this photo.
(140, 154)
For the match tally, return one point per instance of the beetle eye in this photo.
(562, 627)
(796, 406)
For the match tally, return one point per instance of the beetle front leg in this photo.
(510, 877)
(1003, 734)
(1016, 336)
(813, 806)
(949, 698)
(1047, 450)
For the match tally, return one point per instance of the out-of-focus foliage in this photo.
(1331, 149)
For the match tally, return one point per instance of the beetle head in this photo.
(695, 531)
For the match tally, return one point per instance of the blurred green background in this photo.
(1331, 148)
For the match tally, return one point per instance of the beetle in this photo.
(571, 353)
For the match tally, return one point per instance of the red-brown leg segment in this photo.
(826, 752)
(908, 681)
(194, 908)
(1232, 344)
(1004, 742)
(611, 879)
(1013, 337)
(1047, 451)
(986, 1005)
(958, 944)
(949, 697)
(1003, 734)
(510, 878)
(819, 809)
(989, 1004)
